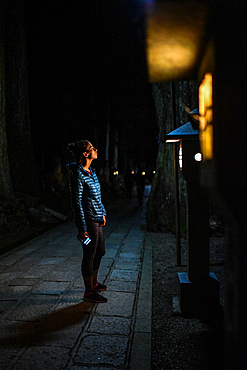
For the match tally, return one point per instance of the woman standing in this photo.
(90, 215)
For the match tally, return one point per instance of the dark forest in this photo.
(87, 70)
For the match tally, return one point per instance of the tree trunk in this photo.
(5, 180)
(161, 203)
(107, 168)
(160, 210)
(115, 146)
(22, 165)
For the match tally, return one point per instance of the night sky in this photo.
(87, 67)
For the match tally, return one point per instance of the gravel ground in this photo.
(178, 342)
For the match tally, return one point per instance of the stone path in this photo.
(44, 323)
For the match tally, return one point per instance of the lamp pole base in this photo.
(198, 298)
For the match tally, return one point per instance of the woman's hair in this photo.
(78, 148)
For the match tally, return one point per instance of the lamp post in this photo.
(198, 288)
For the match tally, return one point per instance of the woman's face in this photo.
(92, 151)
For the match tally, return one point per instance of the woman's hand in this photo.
(82, 237)
(104, 221)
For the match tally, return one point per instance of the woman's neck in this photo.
(87, 165)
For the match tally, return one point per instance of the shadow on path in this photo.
(35, 332)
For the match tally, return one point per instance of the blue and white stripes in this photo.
(85, 195)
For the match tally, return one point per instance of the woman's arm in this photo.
(76, 191)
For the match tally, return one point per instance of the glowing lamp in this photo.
(189, 152)
(198, 157)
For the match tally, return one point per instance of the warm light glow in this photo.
(180, 157)
(143, 173)
(115, 173)
(173, 38)
(206, 116)
(173, 140)
(174, 58)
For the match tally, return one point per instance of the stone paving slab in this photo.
(51, 287)
(58, 275)
(103, 272)
(25, 249)
(6, 277)
(72, 300)
(134, 240)
(33, 308)
(130, 255)
(63, 337)
(6, 360)
(126, 264)
(6, 306)
(112, 246)
(74, 266)
(119, 304)
(111, 253)
(110, 325)
(63, 252)
(14, 335)
(36, 272)
(122, 286)
(124, 275)
(108, 262)
(21, 268)
(23, 282)
(131, 249)
(40, 358)
(14, 292)
(9, 260)
(78, 282)
(111, 350)
(50, 260)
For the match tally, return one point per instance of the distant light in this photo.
(154, 172)
(198, 157)
(115, 173)
(132, 172)
(143, 173)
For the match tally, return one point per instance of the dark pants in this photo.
(94, 251)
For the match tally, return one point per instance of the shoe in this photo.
(100, 287)
(94, 297)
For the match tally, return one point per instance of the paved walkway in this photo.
(44, 323)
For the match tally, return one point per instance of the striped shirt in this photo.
(85, 195)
